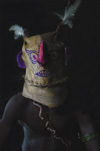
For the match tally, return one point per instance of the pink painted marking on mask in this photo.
(41, 55)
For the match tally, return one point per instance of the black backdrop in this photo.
(37, 16)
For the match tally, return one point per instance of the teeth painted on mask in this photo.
(42, 73)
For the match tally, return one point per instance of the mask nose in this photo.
(41, 58)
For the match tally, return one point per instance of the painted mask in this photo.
(44, 58)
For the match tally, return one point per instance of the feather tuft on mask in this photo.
(69, 13)
(18, 31)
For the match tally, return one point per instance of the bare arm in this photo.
(11, 114)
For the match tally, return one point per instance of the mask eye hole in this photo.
(54, 55)
(25, 42)
(32, 56)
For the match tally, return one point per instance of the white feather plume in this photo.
(69, 13)
(18, 31)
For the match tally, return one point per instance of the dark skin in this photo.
(21, 108)
(36, 137)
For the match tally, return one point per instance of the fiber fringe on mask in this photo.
(18, 31)
(69, 13)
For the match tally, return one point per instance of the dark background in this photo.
(37, 17)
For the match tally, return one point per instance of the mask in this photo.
(44, 60)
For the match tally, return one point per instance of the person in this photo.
(41, 108)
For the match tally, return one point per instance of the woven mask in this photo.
(44, 56)
(44, 60)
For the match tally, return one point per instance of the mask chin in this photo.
(20, 61)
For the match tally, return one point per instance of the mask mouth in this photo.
(42, 73)
(20, 61)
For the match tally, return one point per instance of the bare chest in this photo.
(44, 121)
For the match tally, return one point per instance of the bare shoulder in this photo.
(16, 96)
(15, 103)
(15, 107)
(15, 99)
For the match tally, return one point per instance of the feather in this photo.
(69, 13)
(59, 15)
(69, 23)
(18, 31)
